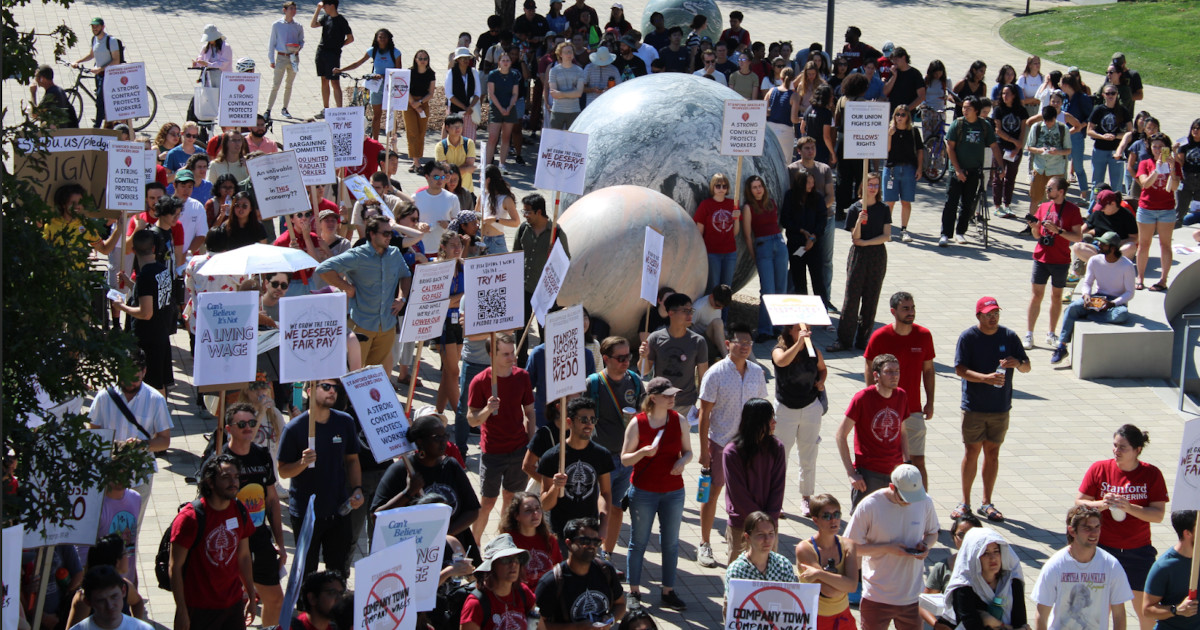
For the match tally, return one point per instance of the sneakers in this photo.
(320, 115)
(704, 556)
(634, 602)
(671, 600)
(805, 509)
(520, 160)
(1058, 355)
(1051, 339)
(1027, 341)
(285, 113)
(904, 236)
(960, 239)
(1003, 211)
(943, 241)
(267, 115)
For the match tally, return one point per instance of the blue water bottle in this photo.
(298, 395)
(705, 485)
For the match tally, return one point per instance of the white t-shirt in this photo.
(434, 208)
(891, 579)
(1081, 594)
(194, 221)
(768, 83)
(1029, 85)
(705, 313)
(717, 76)
(127, 623)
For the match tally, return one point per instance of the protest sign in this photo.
(395, 98)
(424, 321)
(361, 189)
(426, 526)
(347, 128)
(550, 282)
(81, 524)
(494, 295)
(786, 310)
(226, 338)
(744, 127)
(278, 185)
(866, 129)
(379, 412)
(431, 282)
(651, 265)
(754, 605)
(125, 91)
(296, 573)
(11, 574)
(48, 409)
(562, 161)
(239, 99)
(313, 337)
(313, 144)
(66, 156)
(150, 163)
(383, 593)
(1186, 494)
(565, 373)
(126, 171)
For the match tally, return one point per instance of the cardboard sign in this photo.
(312, 343)
(11, 575)
(562, 161)
(126, 171)
(1186, 494)
(277, 184)
(361, 190)
(239, 99)
(395, 99)
(565, 371)
(66, 156)
(744, 127)
(425, 526)
(226, 338)
(550, 283)
(313, 145)
(383, 593)
(651, 265)
(494, 296)
(424, 321)
(755, 605)
(786, 310)
(347, 126)
(380, 412)
(125, 91)
(81, 525)
(296, 573)
(866, 130)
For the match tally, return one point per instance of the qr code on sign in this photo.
(343, 143)
(492, 303)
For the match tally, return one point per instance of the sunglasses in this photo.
(829, 516)
(721, 186)
(437, 178)
(326, 387)
(304, 215)
(191, 135)
(279, 285)
(621, 358)
(585, 419)
(387, 233)
(685, 311)
(242, 424)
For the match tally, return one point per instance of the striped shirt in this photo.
(149, 408)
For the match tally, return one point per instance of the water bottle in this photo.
(298, 395)
(1000, 370)
(705, 486)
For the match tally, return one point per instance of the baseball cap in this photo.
(328, 213)
(660, 386)
(1118, 56)
(184, 175)
(97, 21)
(1106, 197)
(1072, 69)
(907, 480)
(530, 4)
(617, 5)
(1112, 239)
(986, 304)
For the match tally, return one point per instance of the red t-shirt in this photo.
(508, 613)
(877, 429)
(542, 556)
(284, 240)
(371, 149)
(1066, 217)
(1156, 197)
(503, 432)
(1142, 486)
(913, 350)
(211, 147)
(160, 174)
(718, 222)
(211, 574)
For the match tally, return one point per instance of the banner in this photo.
(347, 127)
(395, 98)
(651, 265)
(866, 130)
(239, 99)
(126, 170)
(424, 321)
(426, 526)
(226, 338)
(494, 296)
(786, 310)
(565, 372)
(744, 127)
(383, 589)
(313, 144)
(545, 294)
(361, 189)
(72, 156)
(562, 161)
(379, 412)
(80, 527)
(125, 92)
(277, 184)
(11, 574)
(296, 573)
(754, 605)
(312, 345)
(1186, 494)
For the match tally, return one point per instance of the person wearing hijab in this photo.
(986, 589)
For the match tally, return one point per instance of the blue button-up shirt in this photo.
(375, 279)
(282, 34)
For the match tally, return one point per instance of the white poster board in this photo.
(755, 605)
(80, 527)
(651, 265)
(239, 99)
(866, 130)
(395, 98)
(1186, 494)
(424, 321)
(150, 161)
(126, 174)
(550, 283)
(313, 144)
(125, 91)
(562, 161)
(383, 593)
(744, 127)
(226, 338)
(277, 184)
(565, 369)
(494, 295)
(379, 412)
(11, 574)
(786, 310)
(426, 526)
(429, 301)
(360, 188)
(347, 128)
(312, 337)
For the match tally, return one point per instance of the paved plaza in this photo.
(1060, 425)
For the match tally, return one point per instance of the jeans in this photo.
(826, 245)
(771, 258)
(99, 101)
(720, 270)
(495, 244)
(462, 429)
(643, 505)
(1077, 311)
(1105, 161)
(955, 191)
(1077, 161)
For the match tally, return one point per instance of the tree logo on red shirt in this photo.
(885, 426)
(220, 545)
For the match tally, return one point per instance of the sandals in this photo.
(989, 511)
(1139, 286)
(1158, 288)
(959, 510)
(835, 347)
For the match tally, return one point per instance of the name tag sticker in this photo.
(231, 524)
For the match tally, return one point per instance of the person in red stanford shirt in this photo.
(876, 414)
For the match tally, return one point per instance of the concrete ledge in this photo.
(1142, 350)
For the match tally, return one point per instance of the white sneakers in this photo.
(1027, 341)
(704, 557)
(943, 241)
(960, 239)
(904, 236)
(1051, 339)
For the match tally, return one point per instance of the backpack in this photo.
(120, 46)
(1039, 126)
(445, 142)
(451, 597)
(162, 559)
(375, 51)
(485, 603)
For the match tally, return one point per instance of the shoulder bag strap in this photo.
(119, 401)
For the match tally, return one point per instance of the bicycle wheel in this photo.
(936, 163)
(141, 123)
(981, 216)
(76, 101)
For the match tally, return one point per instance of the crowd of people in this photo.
(630, 433)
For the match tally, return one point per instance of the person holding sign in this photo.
(1167, 598)
(755, 555)
(869, 222)
(800, 401)
(107, 51)
(451, 342)
(61, 230)
(831, 561)
(573, 491)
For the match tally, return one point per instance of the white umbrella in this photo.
(258, 258)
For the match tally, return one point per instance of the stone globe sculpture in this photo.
(680, 13)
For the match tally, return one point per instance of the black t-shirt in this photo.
(674, 60)
(583, 470)
(904, 92)
(326, 481)
(420, 82)
(154, 280)
(610, 422)
(1191, 157)
(1122, 222)
(631, 68)
(257, 476)
(543, 440)
(164, 245)
(447, 478)
(727, 68)
(1108, 120)
(55, 102)
(537, 27)
(809, 217)
(333, 33)
(658, 40)
(906, 143)
(815, 122)
(878, 215)
(1009, 121)
(580, 597)
(254, 232)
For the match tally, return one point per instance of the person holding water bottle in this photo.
(984, 359)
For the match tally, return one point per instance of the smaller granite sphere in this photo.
(680, 13)
(607, 229)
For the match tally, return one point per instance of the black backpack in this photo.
(162, 559)
(120, 46)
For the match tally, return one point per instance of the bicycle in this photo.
(360, 96)
(936, 160)
(980, 212)
(75, 98)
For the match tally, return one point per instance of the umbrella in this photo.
(258, 258)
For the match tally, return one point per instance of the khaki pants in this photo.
(414, 131)
(283, 66)
(379, 342)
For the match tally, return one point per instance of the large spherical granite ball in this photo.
(680, 13)
(606, 230)
(663, 131)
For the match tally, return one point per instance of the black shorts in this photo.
(1136, 562)
(451, 333)
(264, 556)
(1056, 274)
(326, 62)
(159, 373)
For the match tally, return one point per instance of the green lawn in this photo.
(1161, 40)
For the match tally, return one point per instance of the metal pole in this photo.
(829, 29)
(1187, 335)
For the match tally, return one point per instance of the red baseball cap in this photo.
(986, 304)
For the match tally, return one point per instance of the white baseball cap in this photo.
(907, 480)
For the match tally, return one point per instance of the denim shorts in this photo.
(1156, 216)
(900, 183)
